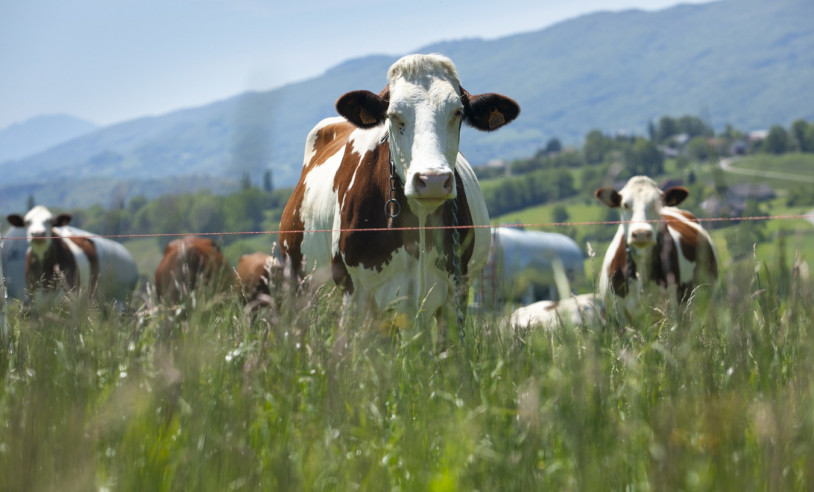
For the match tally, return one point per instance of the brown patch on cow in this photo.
(57, 268)
(697, 249)
(363, 208)
(617, 272)
(689, 216)
(329, 140)
(256, 273)
(89, 249)
(552, 306)
(188, 264)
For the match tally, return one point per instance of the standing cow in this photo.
(191, 263)
(393, 162)
(61, 258)
(673, 253)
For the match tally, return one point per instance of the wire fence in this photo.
(539, 225)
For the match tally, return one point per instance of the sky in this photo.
(109, 61)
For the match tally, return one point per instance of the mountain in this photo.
(749, 63)
(39, 133)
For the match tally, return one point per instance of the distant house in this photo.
(760, 192)
(757, 135)
(739, 147)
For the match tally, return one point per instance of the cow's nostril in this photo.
(419, 183)
(448, 184)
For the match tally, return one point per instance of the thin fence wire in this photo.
(540, 225)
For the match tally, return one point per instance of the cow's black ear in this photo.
(675, 195)
(488, 111)
(608, 196)
(15, 220)
(364, 108)
(62, 220)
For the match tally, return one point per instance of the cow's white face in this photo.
(38, 223)
(640, 202)
(424, 122)
(423, 107)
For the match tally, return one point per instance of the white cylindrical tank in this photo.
(13, 258)
(118, 273)
(521, 266)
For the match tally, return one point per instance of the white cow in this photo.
(393, 162)
(657, 247)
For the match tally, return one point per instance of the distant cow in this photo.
(675, 253)
(62, 258)
(191, 263)
(393, 162)
(256, 274)
(576, 310)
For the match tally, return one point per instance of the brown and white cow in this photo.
(256, 274)
(191, 263)
(413, 126)
(656, 245)
(62, 258)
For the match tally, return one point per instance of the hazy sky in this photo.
(112, 60)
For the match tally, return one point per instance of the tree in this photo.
(559, 214)
(267, 183)
(777, 142)
(666, 129)
(803, 135)
(245, 181)
(595, 147)
(644, 158)
(553, 146)
(698, 149)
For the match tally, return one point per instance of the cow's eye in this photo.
(626, 206)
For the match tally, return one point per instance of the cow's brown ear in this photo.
(364, 108)
(675, 195)
(15, 220)
(62, 220)
(488, 111)
(608, 196)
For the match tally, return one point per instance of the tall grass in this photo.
(203, 396)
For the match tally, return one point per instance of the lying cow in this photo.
(61, 258)
(392, 161)
(256, 274)
(674, 253)
(189, 264)
(577, 310)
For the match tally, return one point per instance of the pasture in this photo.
(201, 396)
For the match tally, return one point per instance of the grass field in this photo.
(205, 397)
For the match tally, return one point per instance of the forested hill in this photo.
(745, 62)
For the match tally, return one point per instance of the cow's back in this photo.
(187, 263)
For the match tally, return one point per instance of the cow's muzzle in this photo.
(433, 186)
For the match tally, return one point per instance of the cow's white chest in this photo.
(411, 285)
(319, 213)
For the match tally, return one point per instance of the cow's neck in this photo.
(639, 268)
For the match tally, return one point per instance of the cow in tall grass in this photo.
(656, 245)
(62, 259)
(392, 162)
